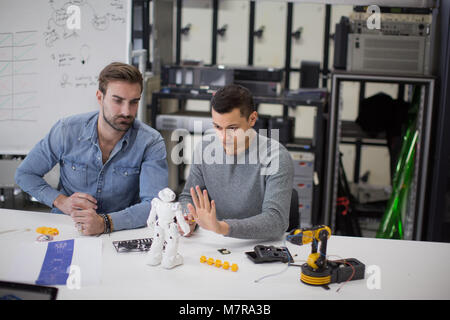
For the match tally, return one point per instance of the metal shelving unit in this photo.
(331, 117)
(316, 146)
(385, 3)
(421, 162)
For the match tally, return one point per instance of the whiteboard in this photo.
(50, 58)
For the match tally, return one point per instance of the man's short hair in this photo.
(233, 96)
(118, 71)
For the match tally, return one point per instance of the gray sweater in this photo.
(252, 190)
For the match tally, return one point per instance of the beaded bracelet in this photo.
(111, 225)
(106, 223)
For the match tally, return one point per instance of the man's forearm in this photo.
(59, 202)
(37, 187)
(132, 217)
(40, 160)
(267, 225)
(224, 228)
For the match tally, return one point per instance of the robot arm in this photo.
(313, 235)
(180, 219)
(151, 221)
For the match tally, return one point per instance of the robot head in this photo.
(166, 195)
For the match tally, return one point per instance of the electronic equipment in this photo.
(318, 270)
(263, 254)
(307, 95)
(262, 88)
(285, 127)
(262, 123)
(201, 77)
(24, 291)
(192, 121)
(392, 24)
(340, 43)
(396, 10)
(310, 74)
(260, 81)
(303, 183)
(248, 73)
(400, 44)
(375, 53)
(133, 245)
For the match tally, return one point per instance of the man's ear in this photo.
(252, 118)
(99, 95)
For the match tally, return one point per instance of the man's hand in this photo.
(204, 212)
(91, 223)
(77, 201)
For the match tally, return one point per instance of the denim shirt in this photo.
(123, 187)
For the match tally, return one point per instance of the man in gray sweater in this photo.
(240, 182)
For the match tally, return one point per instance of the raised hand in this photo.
(204, 212)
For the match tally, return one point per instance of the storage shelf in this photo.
(381, 3)
(348, 131)
(316, 145)
(351, 132)
(289, 98)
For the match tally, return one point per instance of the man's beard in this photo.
(123, 126)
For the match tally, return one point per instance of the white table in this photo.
(408, 269)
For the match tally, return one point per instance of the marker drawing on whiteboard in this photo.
(85, 53)
(18, 62)
(65, 81)
(66, 21)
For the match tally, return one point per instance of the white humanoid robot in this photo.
(161, 222)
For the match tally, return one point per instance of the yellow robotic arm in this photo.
(317, 270)
(315, 234)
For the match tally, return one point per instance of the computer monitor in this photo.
(24, 291)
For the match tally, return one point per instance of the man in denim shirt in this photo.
(112, 165)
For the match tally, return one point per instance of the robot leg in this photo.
(154, 256)
(171, 257)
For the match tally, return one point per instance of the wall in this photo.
(270, 51)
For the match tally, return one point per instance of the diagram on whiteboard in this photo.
(61, 16)
(51, 53)
(18, 76)
(68, 24)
